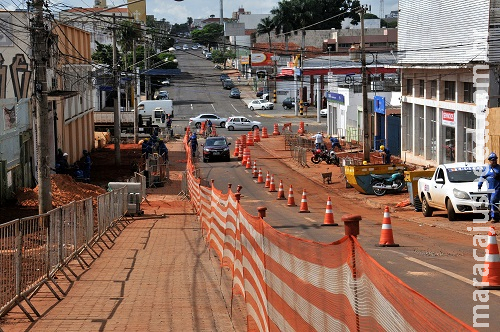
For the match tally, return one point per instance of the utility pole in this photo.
(39, 38)
(116, 79)
(301, 94)
(136, 132)
(364, 90)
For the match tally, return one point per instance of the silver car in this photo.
(216, 120)
(260, 104)
(242, 123)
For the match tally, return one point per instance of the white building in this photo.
(449, 56)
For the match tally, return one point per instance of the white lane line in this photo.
(446, 272)
(310, 219)
(213, 108)
(234, 108)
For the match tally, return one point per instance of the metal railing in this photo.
(34, 249)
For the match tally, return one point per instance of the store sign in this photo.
(244, 59)
(335, 97)
(379, 104)
(448, 118)
(261, 59)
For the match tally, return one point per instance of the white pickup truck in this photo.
(453, 188)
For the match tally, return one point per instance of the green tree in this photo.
(221, 56)
(127, 33)
(103, 54)
(265, 27)
(190, 21)
(210, 34)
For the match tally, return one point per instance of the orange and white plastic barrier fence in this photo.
(278, 275)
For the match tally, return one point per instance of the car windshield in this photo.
(216, 142)
(464, 174)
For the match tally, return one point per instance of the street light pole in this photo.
(275, 58)
(364, 90)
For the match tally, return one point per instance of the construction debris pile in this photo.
(64, 191)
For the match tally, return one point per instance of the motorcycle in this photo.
(328, 156)
(381, 184)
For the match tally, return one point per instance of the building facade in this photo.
(449, 84)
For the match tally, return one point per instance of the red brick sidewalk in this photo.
(158, 276)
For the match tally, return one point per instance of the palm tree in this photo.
(266, 26)
(282, 21)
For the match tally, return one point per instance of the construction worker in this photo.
(386, 154)
(335, 143)
(193, 142)
(145, 148)
(87, 162)
(492, 175)
(318, 140)
(163, 150)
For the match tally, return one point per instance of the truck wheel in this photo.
(426, 209)
(452, 216)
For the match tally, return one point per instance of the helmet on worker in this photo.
(382, 147)
(492, 156)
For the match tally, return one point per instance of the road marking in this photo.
(213, 107)
(446, 272)
(310, 219)
(234, 108)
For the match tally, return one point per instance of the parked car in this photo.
(323, 113)
(185, 47)
(166, 82)
(289, 103)
(235, 93)
(208, 56)
(216, 120)
(223, 77)
(216, 147)
(162, 95)
(260, 104)
(228, 84)
(241, 123)
(194, 47)
(453, 188)
(178, 48)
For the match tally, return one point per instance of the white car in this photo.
(241, 123)
(166, 82)
(216, 120)
(260, 104)
(185, 47)
(323, 113)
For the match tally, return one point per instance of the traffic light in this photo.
(261, 74)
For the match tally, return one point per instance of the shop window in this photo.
(449, 90)
(421, 88)
(469, 90)
(434, 88)
(409, 87)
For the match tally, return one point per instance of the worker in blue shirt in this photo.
(193, 142)
(492, 176)
(386, 154)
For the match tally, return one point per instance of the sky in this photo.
(178, 12)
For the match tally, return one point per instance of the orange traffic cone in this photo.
(276, 130)
(386, 238)
(250, 138)
(246, 156)
(264, 133)
(291, 200)
(281, 192)
(260, 179)
(256, 135)
(249, 163)
(237, 148)
(303, 203)
(272, 186)
(255, 172)
(491, 278)
(268, 181)
(328, 221)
